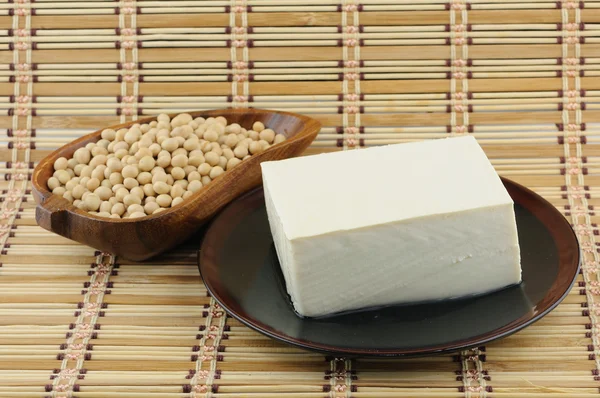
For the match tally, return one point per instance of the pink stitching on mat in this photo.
(128, 10)
(240, 78)
(351, 142)
(352, 97)
(240, 98)
(239, 9)
(202, 373)
(341, 388)
(127, 32)
(572, 40)
(351, 76)
(350, 7)
(240, 65)
(352, 64)
(201, 388)
(459, 75)
(459, 62)
(571, 5)
(351, 42)
(22, 11)
(23, 66)
(6, 214)
(459, 41)
(23, 99)
(128, 44)
(22, 46)
(23, 79)
(459, 28)
(474, 389)
(65, 373)
(352, 109)
(351, 29)
(571, 61)
(4, 230)
(571, 26)
(239, 43)
(129, 65)
(130, 78)
(22, 32)
(460, 129)
(239, 30)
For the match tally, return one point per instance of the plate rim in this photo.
(449, 347)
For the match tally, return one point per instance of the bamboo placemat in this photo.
(520, 75)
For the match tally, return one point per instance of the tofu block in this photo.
(395, 224)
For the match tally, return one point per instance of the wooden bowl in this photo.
(142, 238)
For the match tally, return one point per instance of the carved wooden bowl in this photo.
(142, 238)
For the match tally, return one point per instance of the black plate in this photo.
(241, 271)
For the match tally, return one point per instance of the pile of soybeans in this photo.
(148, 168)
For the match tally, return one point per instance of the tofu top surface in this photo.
(320, 194)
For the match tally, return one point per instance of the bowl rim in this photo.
(41, 188)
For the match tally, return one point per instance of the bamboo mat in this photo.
(523, 76)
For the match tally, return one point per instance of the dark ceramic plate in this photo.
(240, 268)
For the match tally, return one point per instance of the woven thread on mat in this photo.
(240, 72)
(128, 53)
(21, 120)
(207, 354)
(351, 104)
(572, 122)
(78, 348)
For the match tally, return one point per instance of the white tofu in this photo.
(402, 223)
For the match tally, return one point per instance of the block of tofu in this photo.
(395, 224)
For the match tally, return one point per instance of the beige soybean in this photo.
(138, 191)
(177, 173)
(92, 202)
(61, 164)
(105, 207)
(131, 199)
(194, 186)
(150, 207)
(121, 193)
(135, 208)
(161, 187)
(118, 208)
(103, 193)
(146, 163)
(164, 200)
(130, 183)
